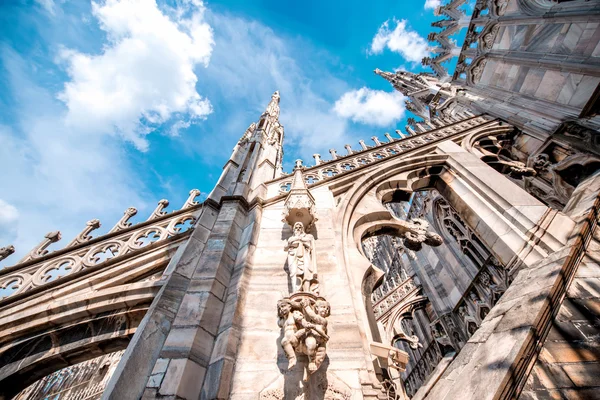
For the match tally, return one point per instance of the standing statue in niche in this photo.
(301, 261)
(303, 314)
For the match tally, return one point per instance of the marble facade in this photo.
(456, 259)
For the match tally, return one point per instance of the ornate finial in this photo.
(6, 251)
(124, 221)
(317, 158)
(348, 148)
(376, 140)
(383, 74)
(273, 106)
(432, 37)
(333, 153)
(40, 250)
(399, 132)
(298, 164)
(362, 144)
(190, 202)
(425, 61)
(388, 137)
(159, 210)
(84, 235)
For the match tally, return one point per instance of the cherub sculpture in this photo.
(304, 330)
(288, 321)
(315, 324)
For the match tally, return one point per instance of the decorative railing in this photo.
(389, 301)
(39, 267)
(370, 154)
(84, 381)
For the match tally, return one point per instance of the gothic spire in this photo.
(404, 82)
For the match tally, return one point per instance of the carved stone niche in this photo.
(299, 204)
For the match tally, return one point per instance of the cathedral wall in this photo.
(261, 364)
(568, 365)
(445, 275)
(569, 89)
(534, 63)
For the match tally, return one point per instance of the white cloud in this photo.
(409, 44)
(432, 4)
(372, 107)
(9, 215)
(145, 75)
(57, 176)
(48, 5)
(250, 61)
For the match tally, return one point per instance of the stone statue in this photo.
(301, 261)
(6, 251)
(273, 106)
(315, 326)
(304, 324)
(288, 320)
(416, 233)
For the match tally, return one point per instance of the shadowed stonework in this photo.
(457, 259)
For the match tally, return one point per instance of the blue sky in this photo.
(111, 104)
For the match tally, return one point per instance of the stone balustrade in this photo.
(326, 169)
(45, 268)
(393, 297)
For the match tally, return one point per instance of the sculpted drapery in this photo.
(301, 260)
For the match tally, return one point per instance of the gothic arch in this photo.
(416, 301)
(68, 332)
(478, 193)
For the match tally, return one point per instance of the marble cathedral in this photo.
(454, 259)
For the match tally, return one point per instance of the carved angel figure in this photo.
(301, 261)
(304, 330)
(288, 320)
(315, 326)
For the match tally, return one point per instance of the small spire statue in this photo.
(273, 106)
